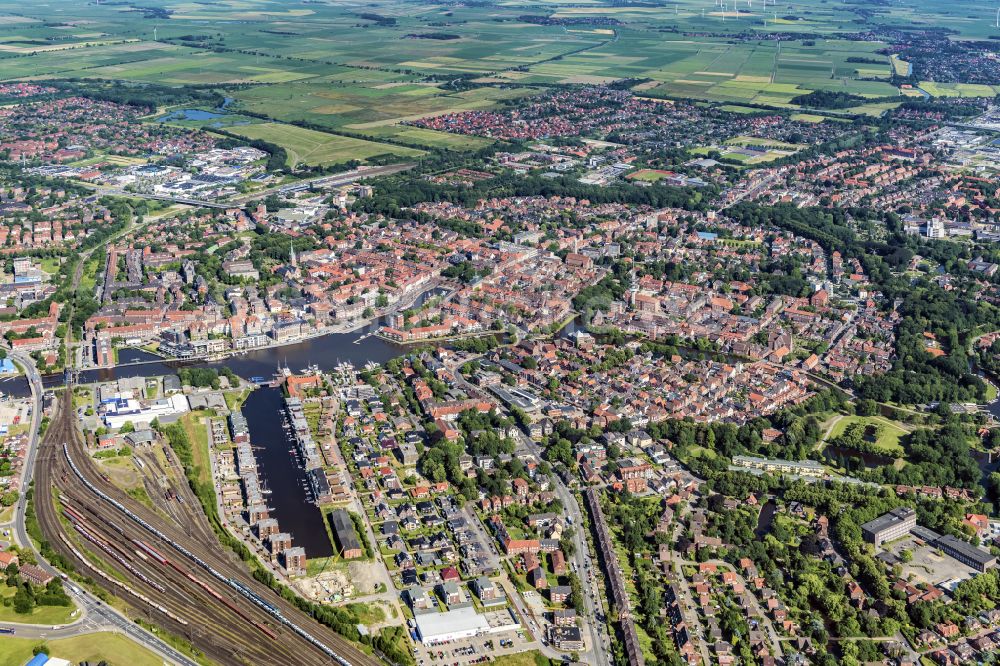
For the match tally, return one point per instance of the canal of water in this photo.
(280, 470)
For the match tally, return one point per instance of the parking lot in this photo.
(475, 650)
(929, 566)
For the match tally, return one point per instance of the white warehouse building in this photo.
(453, 625)
(122, 410)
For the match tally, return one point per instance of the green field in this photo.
(749, 150)
(434, 139)
(874, 109)
(808, 117)
(314, 148)
(759, 72)
(366, 69)
(113, 648)
(648, 175)
(532, 658)
(52, 615)
(958, 89)
(373, 108)
(889, 438)
(763, 143)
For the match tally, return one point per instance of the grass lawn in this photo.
(319, 148)
(434, 139)
(808, 117)
(235, 399)
(957, 89)
(900, 66)
(367, 613)
(736, 108)
(532, 658)
(50, 265)
(88, 279)
(649, 175)
(197, 433)
(991, 392)
(874, 109)
(888, 440)
(38, 615)
(318, 565)
(113, 648)
(702, 452)
(763, 143)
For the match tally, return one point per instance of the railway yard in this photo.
(166, 562)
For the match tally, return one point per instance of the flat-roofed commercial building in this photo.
(889, 526)
(437, 628)
(966, 553)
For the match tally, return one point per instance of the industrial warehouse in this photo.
(347, 538)
(453, 625)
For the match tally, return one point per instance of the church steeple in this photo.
(291, 253)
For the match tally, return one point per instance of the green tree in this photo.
(23, 601)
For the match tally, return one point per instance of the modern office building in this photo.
(890, 526)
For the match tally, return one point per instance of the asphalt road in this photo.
(597, 648)
(597, 644)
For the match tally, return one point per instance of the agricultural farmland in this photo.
(368, 70)
(370, 108)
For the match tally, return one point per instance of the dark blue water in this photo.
(326, 352)
(281, 472)
(279, 469)
(198, 114)
(190, 114)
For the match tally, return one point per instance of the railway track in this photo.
(183, 508)
(193, 587)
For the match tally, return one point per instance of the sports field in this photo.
(648, 175)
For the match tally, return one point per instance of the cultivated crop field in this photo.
(371, 108)
(758, 72)
(366, 68)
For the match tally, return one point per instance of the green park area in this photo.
(115, 649)
(33, 604)
(531, 658)
(38, 615)
(880, 434)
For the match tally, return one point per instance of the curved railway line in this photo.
(176, 576)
